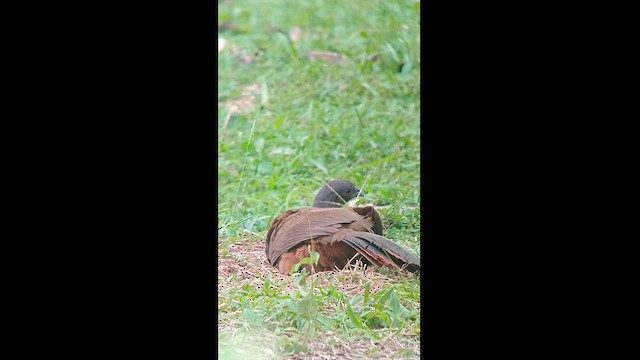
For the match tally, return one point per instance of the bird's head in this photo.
(336, 193)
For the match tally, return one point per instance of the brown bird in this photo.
(336, 233)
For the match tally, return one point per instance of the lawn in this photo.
(310, 91)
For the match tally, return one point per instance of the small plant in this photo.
(307, 305)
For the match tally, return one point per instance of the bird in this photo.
(338, 234)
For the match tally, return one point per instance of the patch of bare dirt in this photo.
(247, 260)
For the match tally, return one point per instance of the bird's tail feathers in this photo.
(381, 251)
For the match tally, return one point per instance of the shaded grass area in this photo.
(286, 124)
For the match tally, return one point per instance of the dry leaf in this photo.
(330, 57)
(246, 102)
(243, 55)
(253, 89)
(227, 25)
(295, 33)
(247, 59)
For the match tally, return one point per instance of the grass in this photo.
(286, 124)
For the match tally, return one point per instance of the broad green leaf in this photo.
(354, 318)
(315, 256)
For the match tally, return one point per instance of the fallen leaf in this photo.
(247, 101)
(252, 89)
(227, 25)
(242, 55)
(241, 105)
(247, 59)
(330, 57)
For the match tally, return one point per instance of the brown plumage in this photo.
(337, 234)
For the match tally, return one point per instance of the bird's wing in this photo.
(298, 226)
(377, 249)
(370, 220)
